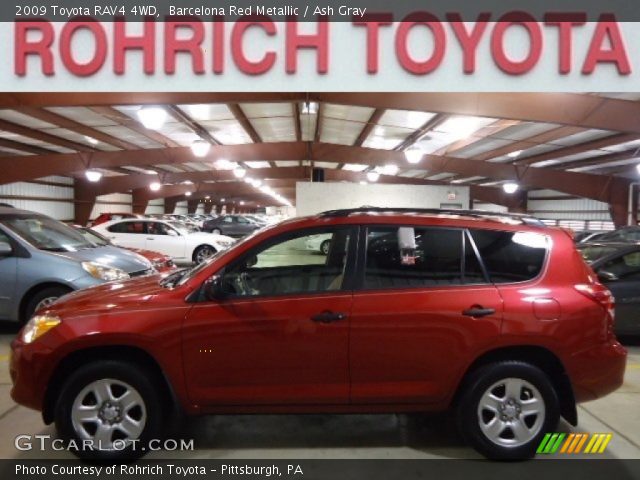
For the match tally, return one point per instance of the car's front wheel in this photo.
(506, 408)
(110, 409)
(216, 231)
(203, 253)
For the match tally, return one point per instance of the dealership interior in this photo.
(197, 161)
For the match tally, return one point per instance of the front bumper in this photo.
(28, 367)
(597, 371)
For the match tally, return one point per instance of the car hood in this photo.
(149, 254)
(109, 256)
(108, 296)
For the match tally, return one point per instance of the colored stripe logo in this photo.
(574, 443)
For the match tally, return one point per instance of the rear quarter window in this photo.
(511, 256)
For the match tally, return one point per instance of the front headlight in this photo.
(38, 326)
(102, 272)
(225, 243)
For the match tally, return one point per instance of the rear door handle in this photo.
(328, 317)
(478, 311)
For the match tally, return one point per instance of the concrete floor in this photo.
(337, 436)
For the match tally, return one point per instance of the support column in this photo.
(84, 200)
(192, 206)
(170, 204)
(139, 200)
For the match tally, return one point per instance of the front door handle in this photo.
(477, 311)
(149, 238)
(328, 317)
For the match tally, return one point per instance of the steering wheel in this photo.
(244, 284)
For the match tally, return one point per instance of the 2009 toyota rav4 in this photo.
(409, 311)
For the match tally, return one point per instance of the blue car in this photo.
(42, 259)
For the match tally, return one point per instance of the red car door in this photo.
(280, 334)
(421, 312)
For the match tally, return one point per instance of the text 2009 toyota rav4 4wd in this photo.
(495, 316)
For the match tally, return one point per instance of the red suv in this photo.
(494, 315)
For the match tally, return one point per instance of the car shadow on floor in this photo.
(421, 432)
(9, 328)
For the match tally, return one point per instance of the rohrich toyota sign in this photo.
(209, 43)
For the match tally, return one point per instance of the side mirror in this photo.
(5, 249)
(213, 288)
(605, 276)
(251, 261)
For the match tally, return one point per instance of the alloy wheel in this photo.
(45, 302)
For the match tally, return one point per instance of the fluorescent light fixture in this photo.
(390, 169)
(224, 164)
(155, 186)
(373, 176)
(413, 155)
(207, 197)
(187, 194)
(93, 175)
(187, 182)
(510, 187)
(222, 199)
(200, 148)
(152, 118)
(514, 154)
(91, 140)
(239, 172)
(241, 202)
(309, 108)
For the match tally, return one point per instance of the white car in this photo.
(319, 243)
(169, 238)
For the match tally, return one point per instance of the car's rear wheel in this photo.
(112, 407)
(324, 247)
(216, 231)
(506, 408)
(203, 253)
(44, 298)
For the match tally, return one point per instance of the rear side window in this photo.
(127, 227)
(511, 256)
(414, 257)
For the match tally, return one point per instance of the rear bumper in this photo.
(597, 371)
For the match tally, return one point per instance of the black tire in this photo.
(216, 231)
(197, 253)
(469, 419)
(138, 378)
(46, 293)
(324, 247)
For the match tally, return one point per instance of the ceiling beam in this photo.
(319, 120)
(43, 136)
(23, 147)
(84, 99)
(80, 128)
(65, 164)
(369, 126)
(198, 129)
(485, 132)
(126, 121)
(296, 120)
(416, 136)
(580, 110)
(242, 118)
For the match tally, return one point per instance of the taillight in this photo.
(603, 297)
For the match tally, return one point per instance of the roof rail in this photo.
(524, 218)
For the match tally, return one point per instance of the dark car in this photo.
(618, 267)
(501, 321)
(231, 225)
(624, 234)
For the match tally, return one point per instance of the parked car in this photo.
(42, 259)
(319, 243)
(107, 217)
(232, 225)
(587, 236)
(162, 263)
(169, 238)
(624, 234)
(501, 320)
(618, 267)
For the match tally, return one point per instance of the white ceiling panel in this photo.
(308, 126)
(275, 129)
(525, 130)
(262, 110)
(481, 146)
(24, 120)
(405, 118)
(339, 131)
(83, 115)
(123, 133)
(386, 138)
(258, 164)
(33, 142)
(206, 112)
(179, 133)
(11, 152)
(582, 137)
(352, 167)
(81, 139)
(228, 132)
(325, 164)
(571, 158)
(348, 112)
(441, 176)
(413, 173)
(287, 163)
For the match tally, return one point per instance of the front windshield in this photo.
(48, 234)
(94, 237)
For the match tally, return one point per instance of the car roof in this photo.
(10, 211)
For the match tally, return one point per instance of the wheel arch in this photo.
(193, 253)
(538, 356)
(34, 289)
(126, 353)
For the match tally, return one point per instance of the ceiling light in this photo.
(256, 183)
(152, 118)
(187, 182)
(239, 172)
(207, 197)
(150, 172)
(93, 175)
(510, 187)
(248, 180)
(91, 140)
(514, 154)
(241, 202)
(222, 199)
(413, 154)
(187, 194)
(390, 169)
(373, 176)
(224, 164)
(155, 186)
(200, 148)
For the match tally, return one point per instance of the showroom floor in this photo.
(336, 436)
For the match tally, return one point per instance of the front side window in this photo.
(624, 267)
(47, 234)
(289, 267)
(128, 227)
(511, 256)
(414, 257)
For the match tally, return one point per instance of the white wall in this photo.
(489, 207)
(313, 198)
(565, 209)
(181, 207)
(155, 206)
(53, 200)
(114, 202)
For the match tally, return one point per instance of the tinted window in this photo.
(594, 252)
(511, 256)
(435, 258)
(288, 267)
(127, 227)
(47, 234)
(625, 267)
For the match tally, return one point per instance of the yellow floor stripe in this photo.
(605, 443)
(596, 445)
